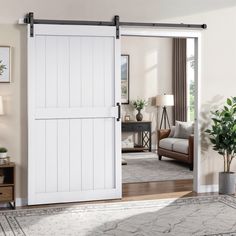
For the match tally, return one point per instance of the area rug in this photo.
(209, 215)
(145, 167)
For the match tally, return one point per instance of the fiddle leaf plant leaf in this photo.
(229, 102)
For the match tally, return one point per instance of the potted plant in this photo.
(139, 104)
(223, 137)
(3, 152)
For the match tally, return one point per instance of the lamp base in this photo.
(165, 118)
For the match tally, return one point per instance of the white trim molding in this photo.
(208, 188)
(21, 202)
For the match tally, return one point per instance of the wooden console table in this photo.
(143, 127)
(7, 188)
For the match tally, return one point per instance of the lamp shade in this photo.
(1, 106)
(165, 100)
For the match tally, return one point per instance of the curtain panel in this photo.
(180, 79)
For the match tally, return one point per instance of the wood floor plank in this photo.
(142, 191)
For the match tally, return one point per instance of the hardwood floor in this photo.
(157, 190)
(142, 191)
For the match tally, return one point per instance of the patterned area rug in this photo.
(211, 215)
(145, 167)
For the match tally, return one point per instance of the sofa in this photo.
(181, 149)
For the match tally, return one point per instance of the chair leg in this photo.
(159, 157)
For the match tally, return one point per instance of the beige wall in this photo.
(150, 74)
(218, 61)
(13, 125)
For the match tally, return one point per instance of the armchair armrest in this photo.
(162, 133)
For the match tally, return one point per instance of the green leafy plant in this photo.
(223, 132)
(2, 67)
(2, 150)
(139, 104)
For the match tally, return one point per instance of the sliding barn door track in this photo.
(29, 19)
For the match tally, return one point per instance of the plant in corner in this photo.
(3, 152)
(223, 137)
(139, 104)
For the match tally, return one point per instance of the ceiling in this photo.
(129, 10)
(176, 8)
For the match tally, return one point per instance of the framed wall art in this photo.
(124, 79)
(5, 67)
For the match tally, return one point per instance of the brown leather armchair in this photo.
(176, 148)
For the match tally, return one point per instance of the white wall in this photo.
(150, 75)
(218, 54)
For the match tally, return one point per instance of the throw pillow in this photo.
(172, 131)
(183, 129)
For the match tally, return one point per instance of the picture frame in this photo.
(125, 60)
(127, 118)
(5, 64)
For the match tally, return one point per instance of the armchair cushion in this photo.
(181, 145)
(167, 143)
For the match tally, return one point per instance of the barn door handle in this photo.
(119, 112)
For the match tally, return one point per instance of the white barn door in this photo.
(74, 151)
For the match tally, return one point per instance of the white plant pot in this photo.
(3, 154)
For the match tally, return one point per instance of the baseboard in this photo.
(21, 202)
(208, 188)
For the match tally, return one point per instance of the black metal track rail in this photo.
(29, 19)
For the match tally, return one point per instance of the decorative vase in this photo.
(139, 116)
(227, 183)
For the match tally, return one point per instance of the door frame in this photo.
(197, 35)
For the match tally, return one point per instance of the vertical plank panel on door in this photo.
(40, 156)
(109, 72)
(109, 154)
(51, 156)
(51, 71)
(99, 154)
(63, 71)
(99, 101)
(40, 71)
(63, 155)
(109, 123)
(87, 72)
(75, 71)
(75, 154)
(87, 154)
(98, 71)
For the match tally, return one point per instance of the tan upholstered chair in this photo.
(176, 148)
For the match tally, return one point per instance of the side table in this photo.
(7, 188)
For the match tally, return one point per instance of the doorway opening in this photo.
(149, 70)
